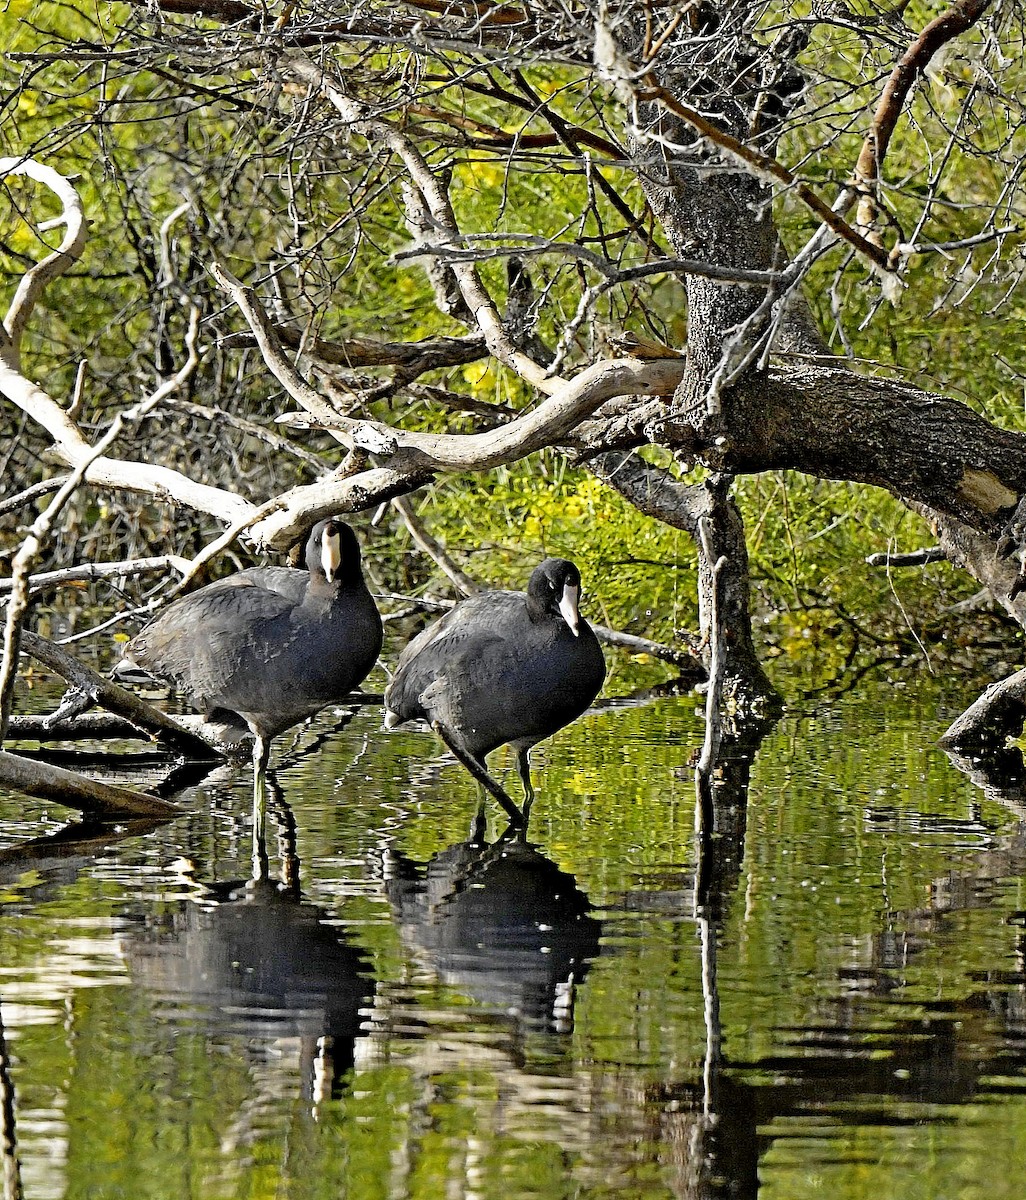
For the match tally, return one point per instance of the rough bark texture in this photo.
(996, 716)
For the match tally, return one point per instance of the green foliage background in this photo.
(327, 215)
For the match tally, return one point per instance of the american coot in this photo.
(502, 667)
(269, 645)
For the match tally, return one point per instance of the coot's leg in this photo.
(478, 770)
(284, 818)
(261, 753)
(477, 827)
(524, 770)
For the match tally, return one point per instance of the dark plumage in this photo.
(269, 645)
(502, 668)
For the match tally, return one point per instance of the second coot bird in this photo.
(269, 645)
(502, 668)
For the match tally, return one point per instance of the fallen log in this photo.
(90, 796)
(99, 726)
(116, 699)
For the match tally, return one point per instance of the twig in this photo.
(43, 488)
(433, 549)
(53, 265)
(941, 30)
(977, 239)
(533, 245)
(85, 572)
(917, 558)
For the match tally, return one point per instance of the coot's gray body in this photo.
(502, 668)
(269, 645)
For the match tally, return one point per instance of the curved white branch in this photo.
(420, 455)
(570, 402)
(73, 449)
(355, 435)
(556, 416)
(60, 260)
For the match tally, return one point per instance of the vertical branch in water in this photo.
(8, 1140)
(705, 824)
(705, 817)
(711, 1000)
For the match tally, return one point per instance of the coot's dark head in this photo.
(554, 589)
(332, 552)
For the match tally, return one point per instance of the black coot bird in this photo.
(269, 645)
(502, 668)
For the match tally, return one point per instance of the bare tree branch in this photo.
(941, 30)
(86, 572)
(118, 700)
(31, 544)
(151, 479)
(413, 358)
(429, 186)
(61, 260)
(44, 488)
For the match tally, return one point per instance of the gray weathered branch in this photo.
(90, 796)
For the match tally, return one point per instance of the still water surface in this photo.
(413, 1006)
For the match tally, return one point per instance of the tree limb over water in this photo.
(607, 236)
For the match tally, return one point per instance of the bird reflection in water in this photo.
(251, 958)
(499, 922)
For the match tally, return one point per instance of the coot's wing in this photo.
(200, 641)
(287, 581)
(458, 637)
